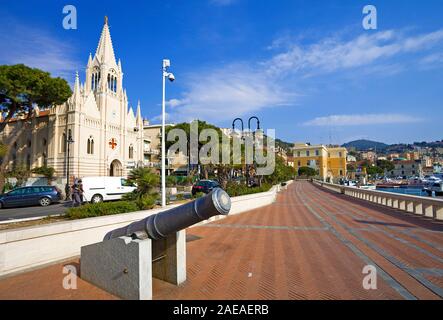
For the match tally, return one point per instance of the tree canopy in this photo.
(307, 171)
(22, 88)
(385, 165)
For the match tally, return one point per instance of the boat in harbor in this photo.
(436, 187)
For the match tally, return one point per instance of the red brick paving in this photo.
(304, 246)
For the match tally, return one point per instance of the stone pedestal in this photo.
(124, 267)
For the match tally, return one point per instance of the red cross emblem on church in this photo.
(113, 143)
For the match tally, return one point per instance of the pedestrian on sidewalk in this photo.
(77, 193)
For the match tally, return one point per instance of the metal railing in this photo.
(421, 206)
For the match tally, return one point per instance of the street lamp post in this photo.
(68, 187)
(258, 128)
(171, 77)
(241, 137)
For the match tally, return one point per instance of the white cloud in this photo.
(38, 49)
(229, 92)
(432, 59)
(362, 119)
(236, 89)
(158, 118)
(174, 103)
(334, 54)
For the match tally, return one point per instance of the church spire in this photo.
(138, 118)
(89, 60)
(77, 83)
(77, 93)
(105, 50)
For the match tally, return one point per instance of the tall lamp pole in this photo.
(68, 187)
(171, 77)
(241, 134)
(258, 128)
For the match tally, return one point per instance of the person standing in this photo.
(77, 193)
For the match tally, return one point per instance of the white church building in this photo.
(101, 130)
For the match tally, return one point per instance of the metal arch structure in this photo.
(242, 124)
(258, 123)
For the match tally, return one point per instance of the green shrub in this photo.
(131, 196)
(146, 202)
(235, 189)
(171, 181)
(7, 187)
(198, 195)
(47, 172)
(180, 196)
(101, 209)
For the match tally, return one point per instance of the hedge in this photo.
(101, 209)
(235, 189)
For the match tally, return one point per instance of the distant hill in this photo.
(283, 144)
(361, 145)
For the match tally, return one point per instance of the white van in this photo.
(98, 189)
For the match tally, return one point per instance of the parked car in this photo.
(99, 189)
(30, 196)
(204, 186)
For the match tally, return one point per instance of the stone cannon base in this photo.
(124, 267)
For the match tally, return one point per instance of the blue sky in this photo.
(306, 68)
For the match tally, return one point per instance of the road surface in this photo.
(309, 244)
(32, 212)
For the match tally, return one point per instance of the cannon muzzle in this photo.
(162, 224)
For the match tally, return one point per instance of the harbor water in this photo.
(408, 191)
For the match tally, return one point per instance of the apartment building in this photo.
(407, 168)
(330, 162)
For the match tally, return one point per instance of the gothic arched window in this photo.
(95, 78)
(131, 152)
(112, 81)
(90, 145)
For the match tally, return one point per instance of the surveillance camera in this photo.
(171, 77)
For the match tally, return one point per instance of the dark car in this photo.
(204, 186)
(29, 196)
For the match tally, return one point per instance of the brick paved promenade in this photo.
(310, 244)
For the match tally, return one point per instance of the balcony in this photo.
(148, 150)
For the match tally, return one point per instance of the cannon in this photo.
(127, 258)
(161, 225)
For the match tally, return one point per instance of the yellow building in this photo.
(329, 161)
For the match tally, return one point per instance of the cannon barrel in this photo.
(162, 224)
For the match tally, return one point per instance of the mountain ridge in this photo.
(364, 144)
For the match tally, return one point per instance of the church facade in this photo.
(96, 132)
